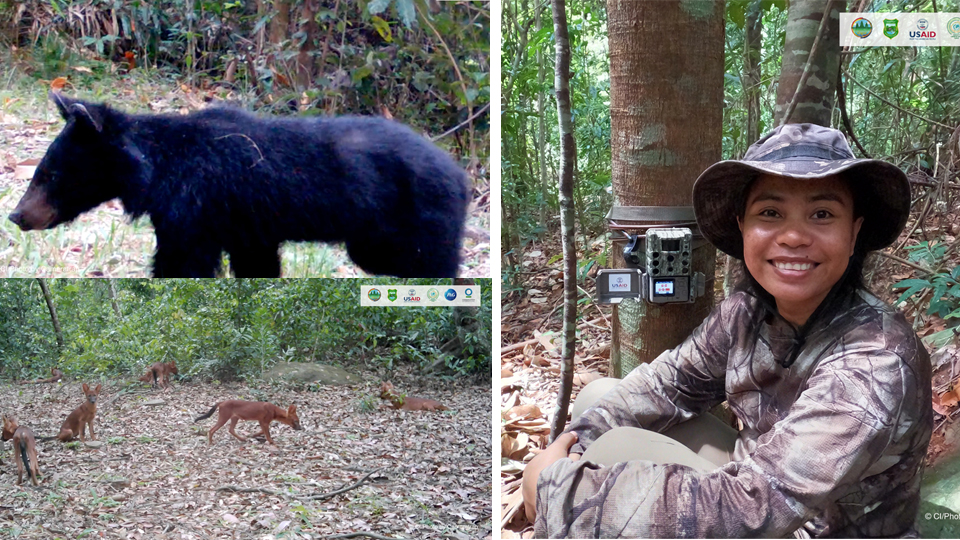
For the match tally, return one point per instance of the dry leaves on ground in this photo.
(151, 474)
(530, 382)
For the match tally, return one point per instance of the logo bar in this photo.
(900, 29)
(419, 295)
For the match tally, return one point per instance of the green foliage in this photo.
(941, 290)
(405, 9)
(226, 329)
(430, 72)
(367, 404)
(589, 91)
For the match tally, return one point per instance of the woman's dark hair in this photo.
(850, 282)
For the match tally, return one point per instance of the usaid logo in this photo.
(923, 31)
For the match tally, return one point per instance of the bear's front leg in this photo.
(255, 261)
(185, 256)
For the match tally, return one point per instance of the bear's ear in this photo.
(86, 114)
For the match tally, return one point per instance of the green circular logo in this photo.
(373, 294)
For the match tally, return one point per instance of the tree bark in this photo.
(666, 105)
(753, 34)
(280, 22)
(113, 299)
(53, 312)
(811, 56)
(568, 159)
(541, 130)
(306, 66)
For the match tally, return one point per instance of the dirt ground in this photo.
(151, 473)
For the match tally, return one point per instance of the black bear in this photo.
(222, 179)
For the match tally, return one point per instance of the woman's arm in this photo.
(677, 386)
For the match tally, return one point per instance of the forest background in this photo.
(229, 329)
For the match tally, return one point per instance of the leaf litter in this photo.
(150, 473)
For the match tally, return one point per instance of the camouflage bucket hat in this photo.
(802, 151)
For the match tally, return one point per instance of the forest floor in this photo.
(151, 473)
(531, 347)
(104, 242)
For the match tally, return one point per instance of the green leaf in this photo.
(382, 28)
(911, 283)
(737, 12)
(939, 339)
(361, 73)
(913, 286)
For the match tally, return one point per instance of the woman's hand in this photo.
(557, 450)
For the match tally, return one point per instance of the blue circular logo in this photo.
(861, 27)
(450, 294)
(468, 293)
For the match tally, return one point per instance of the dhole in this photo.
(397, 401)
(57, 375)
(25, 444)
(159, 373)
(81, 417)
(235, 410)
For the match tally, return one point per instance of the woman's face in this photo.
(798, 236)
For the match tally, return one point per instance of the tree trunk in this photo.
(666, 103)
(568, 160)
(811, 54)
(53, 312)
(306, 66)
(280, 21)
(113, 299)
(752, 43)
(541, 131)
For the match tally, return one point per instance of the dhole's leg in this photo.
(83, 428)
(265, 429)
(35, 467)
(233, 425)
(93, 437)
(221, 420)
(19, 463)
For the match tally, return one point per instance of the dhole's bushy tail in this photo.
(26, 461)
(208, 415)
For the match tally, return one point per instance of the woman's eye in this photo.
(769, 212)
(822, 214)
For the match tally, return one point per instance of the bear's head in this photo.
(86, 165)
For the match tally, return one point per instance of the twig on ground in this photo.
(324, 496)
(522, 344)
(906, 262)
(239, 489)
(371, 535)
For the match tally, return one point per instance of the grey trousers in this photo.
(703, 443)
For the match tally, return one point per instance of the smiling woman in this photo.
(798, 239)
(831, 385)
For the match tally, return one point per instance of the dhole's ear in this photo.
(292, 409)
(86, 388)
(97, 391)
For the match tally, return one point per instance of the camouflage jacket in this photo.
(832, 445)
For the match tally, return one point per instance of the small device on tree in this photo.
(661, 270)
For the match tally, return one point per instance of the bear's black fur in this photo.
(225, 180)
